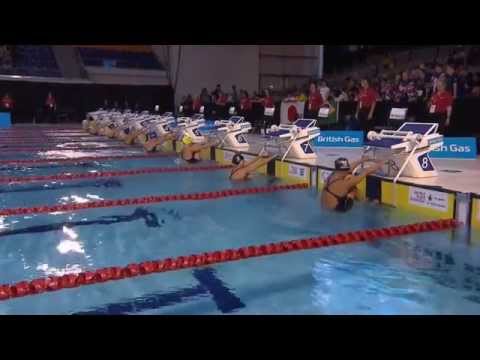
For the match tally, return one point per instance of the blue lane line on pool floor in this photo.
(225, 300)
(109, 183)
(150, 218)
(209, 284)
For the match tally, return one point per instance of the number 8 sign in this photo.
(425, 163)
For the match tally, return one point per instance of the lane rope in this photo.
(40, 142)
(75, 148)
(152, 199)
(116, 273)
(108, 174)
(86, 158)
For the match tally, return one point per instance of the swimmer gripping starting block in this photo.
(408, 147)
(296, 138)
(191, 127)
(232, 132)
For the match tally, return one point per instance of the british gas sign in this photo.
(456, 148)
(339, 139)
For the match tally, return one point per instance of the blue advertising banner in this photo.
(5, 120)
(339, 139)
(456, 148)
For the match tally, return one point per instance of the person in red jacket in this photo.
(267, 99)
(440, 106)
(315, 101)
(50, 107)
(197, 104)
(245, 102)
(7, 103)
(50, 101)
(367, 101)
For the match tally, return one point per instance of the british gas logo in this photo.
(456, 148)
(339, 139)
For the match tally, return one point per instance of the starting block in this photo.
(232, 132)
(408, 147)
(295, 138)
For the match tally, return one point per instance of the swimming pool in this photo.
(430, 273)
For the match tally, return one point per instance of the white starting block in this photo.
(296, 138)
(232, 132)
(191, 127)
(408, 147)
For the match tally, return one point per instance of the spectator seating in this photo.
(120, 59)
(32, 60)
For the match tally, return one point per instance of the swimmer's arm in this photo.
(354, 164)
(354, 180)
(259, 162)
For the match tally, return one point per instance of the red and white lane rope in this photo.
(115, 273)
(84, 158)
(153, 199)
(108, 174)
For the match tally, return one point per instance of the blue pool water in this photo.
(433, 273)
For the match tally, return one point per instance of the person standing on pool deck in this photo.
(440, 107)
(340, 189)
(191, 152)
(243, 169)
(367, 101)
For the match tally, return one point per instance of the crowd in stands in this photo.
(28, 60)
(6, 57)
(218, 104)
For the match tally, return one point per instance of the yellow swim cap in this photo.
(187, 140)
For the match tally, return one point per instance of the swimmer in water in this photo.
(340, 189)
(191, 151)
(243, 169)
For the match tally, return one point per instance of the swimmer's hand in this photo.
(263, 153)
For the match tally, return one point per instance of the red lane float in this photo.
(85, 158)
(42, 209)
(41, 142)
(57, 283)
(107, 174)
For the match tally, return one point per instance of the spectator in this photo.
(51, 106)
(440, 106)
(436, 76)
(267, 102)
(205, 98)
(351, 89)
(234, 95)
(367, 101)
(324, 90)
(197, 104)
(267, 99)
(476, 84)
(220, 104)
(462, 85)
(5, 57)
(300, 95)
(7, 103)
(187, 104)
(315, 101)
(450, 80)
(245, 102)
(216, 92)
